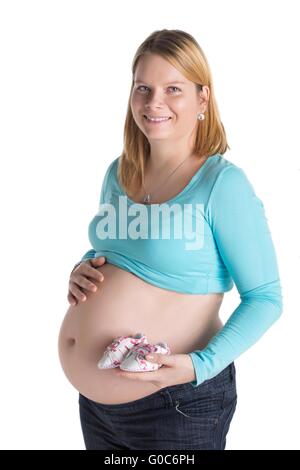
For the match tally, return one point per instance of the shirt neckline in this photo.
(186, 188)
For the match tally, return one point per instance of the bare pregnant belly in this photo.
(125, 305)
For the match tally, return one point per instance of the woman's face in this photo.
(160, 90)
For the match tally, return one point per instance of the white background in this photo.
(64, 86)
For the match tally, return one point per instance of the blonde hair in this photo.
(182, 51)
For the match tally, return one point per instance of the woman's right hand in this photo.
(79, 279)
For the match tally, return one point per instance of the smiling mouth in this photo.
(156, 121)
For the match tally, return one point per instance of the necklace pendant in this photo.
(147, 199)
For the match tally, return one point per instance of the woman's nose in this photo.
(154, 99)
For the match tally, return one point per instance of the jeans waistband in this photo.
(225, 377)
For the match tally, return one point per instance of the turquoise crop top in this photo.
(212, 235)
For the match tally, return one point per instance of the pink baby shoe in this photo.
(118, 349)
(135, 360)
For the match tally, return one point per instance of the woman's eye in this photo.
(143, 86)
(139, 87)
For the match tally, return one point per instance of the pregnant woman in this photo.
(178, 225)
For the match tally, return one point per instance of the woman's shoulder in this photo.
(226, 172)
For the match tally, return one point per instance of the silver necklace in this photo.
(148, 196)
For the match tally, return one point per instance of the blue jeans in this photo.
(176, 417)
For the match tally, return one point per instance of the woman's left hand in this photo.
(176, 369)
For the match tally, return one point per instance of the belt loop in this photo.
(167, 397)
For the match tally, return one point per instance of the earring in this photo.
(200, 116)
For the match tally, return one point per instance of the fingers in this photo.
(79, 279)
(76, 292)
(97, 261)
(71, 299)
(88, 270)
(82, 281)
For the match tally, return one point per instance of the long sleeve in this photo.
(237, 219)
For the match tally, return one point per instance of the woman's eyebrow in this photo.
(169, 83)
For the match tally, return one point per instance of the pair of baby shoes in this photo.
(128, 353)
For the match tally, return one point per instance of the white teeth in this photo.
(157, 119)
